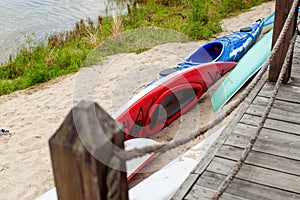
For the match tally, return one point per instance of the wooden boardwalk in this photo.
(272, 170)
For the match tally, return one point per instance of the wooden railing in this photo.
(282, 10)
(83, 156)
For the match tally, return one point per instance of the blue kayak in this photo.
(228, 48)
(269, 22)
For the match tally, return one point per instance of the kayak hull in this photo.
(248, 65)
(165, 100)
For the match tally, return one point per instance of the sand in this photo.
(33, 115)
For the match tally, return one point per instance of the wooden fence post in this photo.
(282, 9)
(83, 156)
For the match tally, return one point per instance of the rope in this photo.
(114, 181)
(252, 141)
(161, 148)
(235, 170)
(228, 180)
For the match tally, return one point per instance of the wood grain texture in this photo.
(272, 124)
(239, 189)
(82, 151)
(286, 92)
(258, 175)
(281, 110)
(269, 141)
(282, 9)
(262, 159)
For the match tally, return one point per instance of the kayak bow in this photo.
(228, 48)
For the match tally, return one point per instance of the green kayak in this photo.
(247, 66)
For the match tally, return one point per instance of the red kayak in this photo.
(165, 100)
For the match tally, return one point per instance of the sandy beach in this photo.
(33, 115)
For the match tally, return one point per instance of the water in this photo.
(42, 17)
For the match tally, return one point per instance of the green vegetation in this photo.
(66, 52)
(136, 40)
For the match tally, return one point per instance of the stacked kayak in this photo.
(228, 48)
(247, 66)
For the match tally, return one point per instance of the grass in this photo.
(136, 40)
(90, 42)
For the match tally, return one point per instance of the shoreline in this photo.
(33, 115)
(39, 20)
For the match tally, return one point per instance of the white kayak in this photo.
(133, 166)
(163, 184)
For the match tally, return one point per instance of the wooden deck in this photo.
(272, 170)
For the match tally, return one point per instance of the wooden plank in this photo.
(289, 150)
(232, 123)
(272, 124)
(296, 49)
(278, 104)
(296, 68)
(285, 87)
(257, 175)
(296, 57)
(296, 62)
(297, 41)
(281, 110)
(184, 189)
(282, 9)
(241, 188)
(296, 73)
(269, 141)
(260, 159)
(286, 92)
(294, 81)
(202, 193)
(238, 114)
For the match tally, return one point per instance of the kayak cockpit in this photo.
(172, 104)
(209, 52)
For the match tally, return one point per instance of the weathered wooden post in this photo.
(83, 156)
(282, 9)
